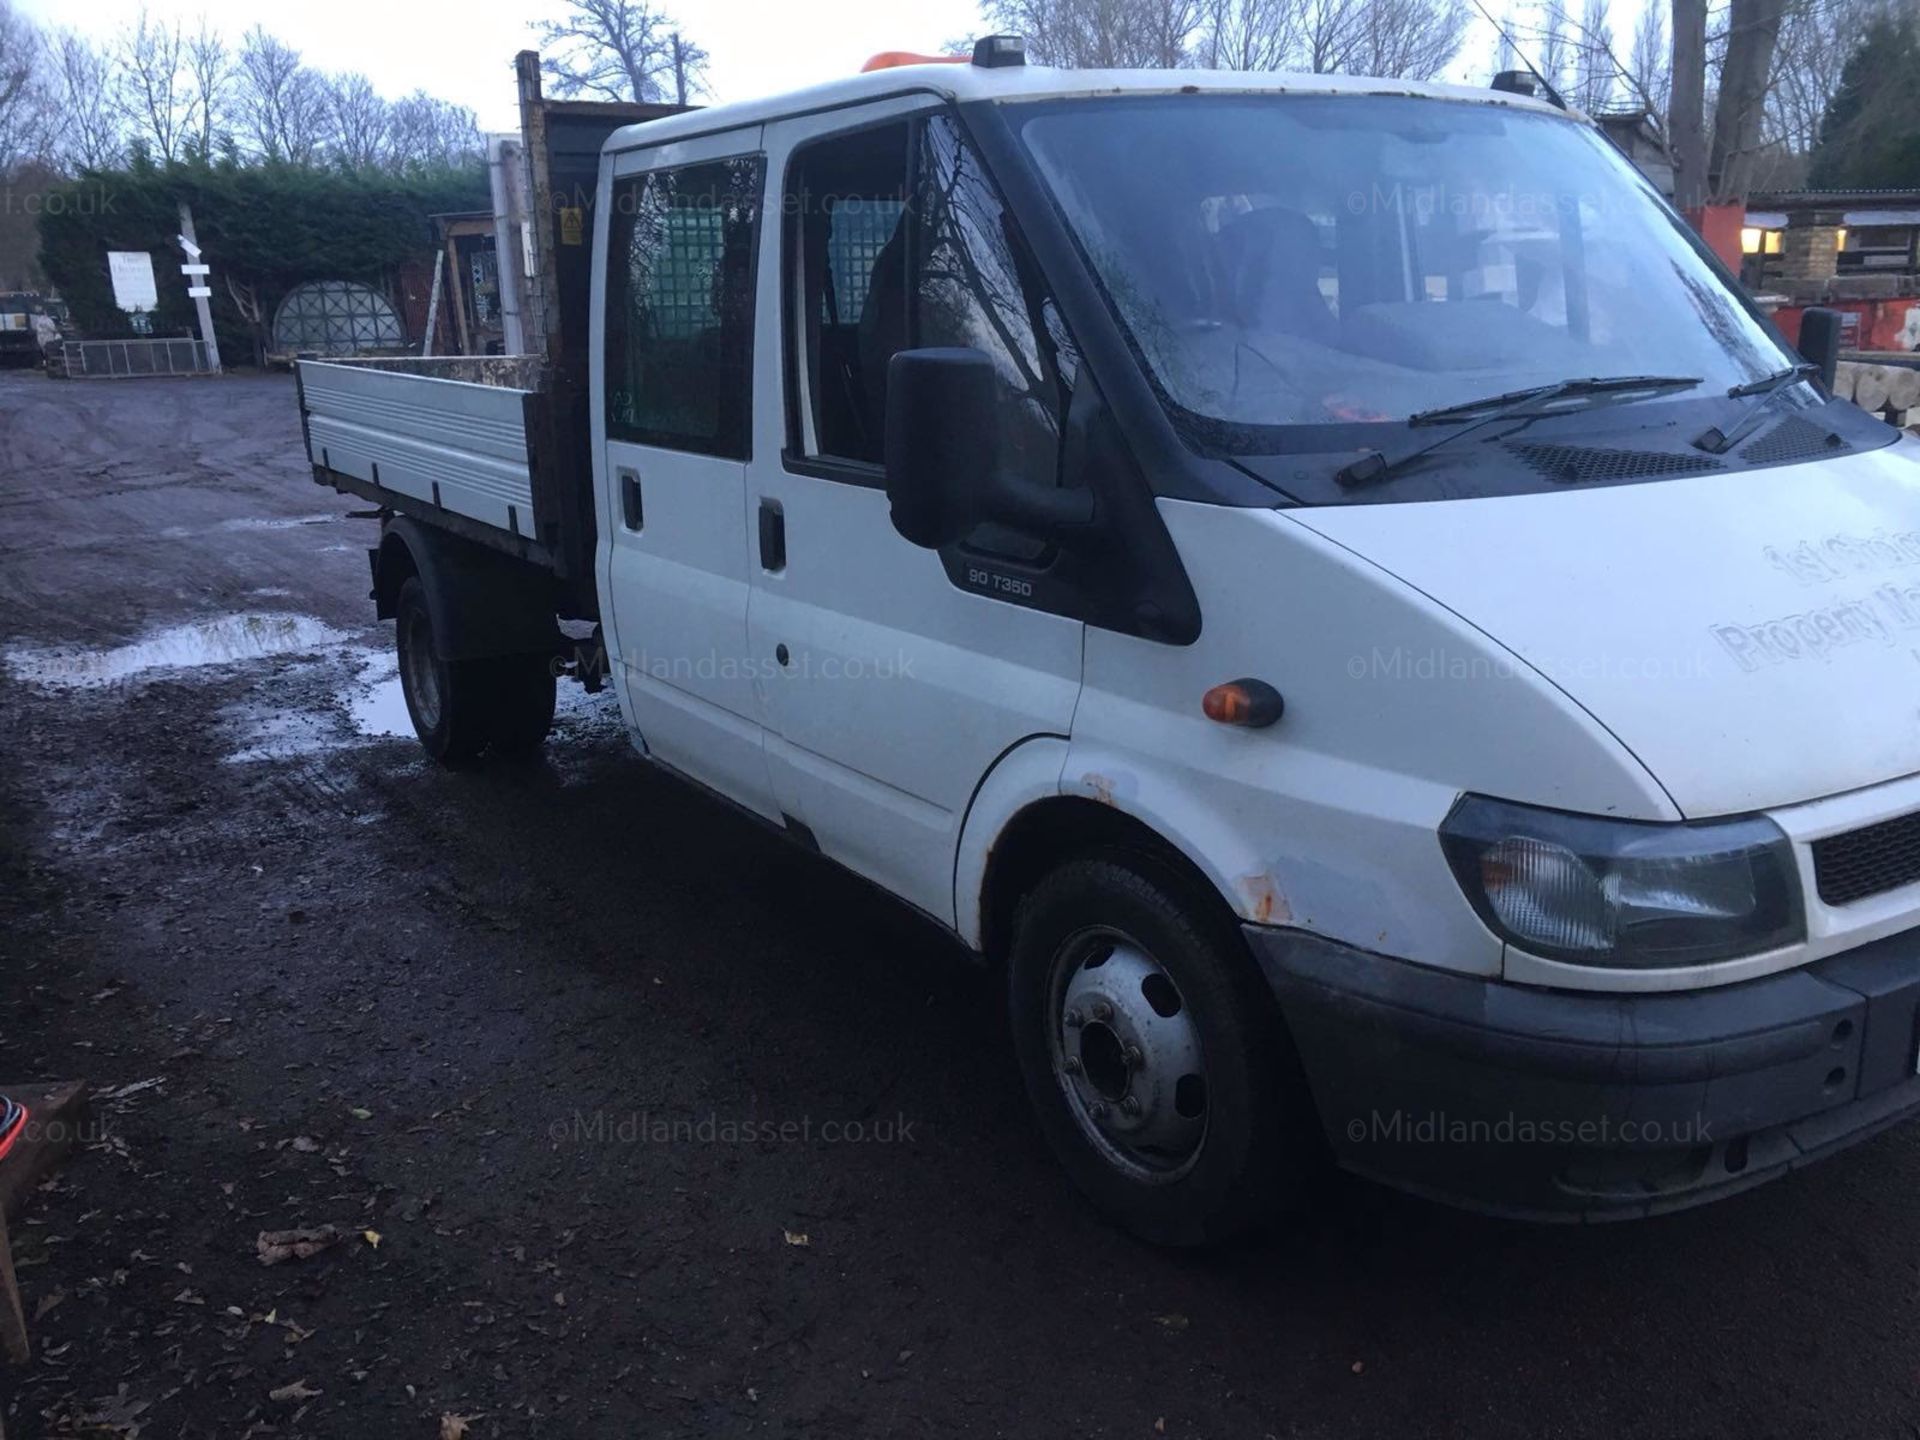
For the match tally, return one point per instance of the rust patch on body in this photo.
(1265, 905)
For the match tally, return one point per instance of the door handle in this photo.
(773, 536)
(630, 512)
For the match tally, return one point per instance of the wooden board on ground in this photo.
(56, 1112)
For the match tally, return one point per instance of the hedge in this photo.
(265, 226)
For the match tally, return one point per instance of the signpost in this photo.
(199, 290)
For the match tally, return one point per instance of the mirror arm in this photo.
(1051, 514)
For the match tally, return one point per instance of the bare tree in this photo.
(157, 97)
(424, 132)
(90, 136)
(1594, 66)
(1102, 34)
(210, 73)
(612, 49)
(1648, 72)
(1408, 39)
(1251, 35)
(687, 64)
(1816, 38)
(23, 107)
(358, 122)
(1687, 105)
(1329, 35)
(1739, 112)
(280, 99)
(1555, 50)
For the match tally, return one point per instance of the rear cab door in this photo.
(899, 676)
(679, 237)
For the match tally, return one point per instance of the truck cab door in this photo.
(894, 677)
(678, 234)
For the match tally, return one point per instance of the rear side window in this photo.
(680, 307)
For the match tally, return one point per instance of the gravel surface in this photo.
(626, 1117)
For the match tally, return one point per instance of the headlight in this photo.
(1625, 893)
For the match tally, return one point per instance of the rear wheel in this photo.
(1156, 1064)
(449, 701)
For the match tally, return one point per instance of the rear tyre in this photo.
(522, 712)
(448, 700)
(1157, 1065)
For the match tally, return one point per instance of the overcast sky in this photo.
(464, 51)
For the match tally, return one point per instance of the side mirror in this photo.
(940, 444)
(942, 454)
(1820, 342)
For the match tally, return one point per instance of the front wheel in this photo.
(1158, 1068)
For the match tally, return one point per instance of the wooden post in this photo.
(192, 247)
(433, 303)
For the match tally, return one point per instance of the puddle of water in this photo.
(379, 709)
(367, 706)
(225, 641)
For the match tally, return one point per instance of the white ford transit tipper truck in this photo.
(1325, 582)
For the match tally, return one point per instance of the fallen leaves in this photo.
(275, 1246)
(115, 1414)
(298, 1390)
(372, 1237)
(122, 1092)
(305, 1144)
(801, 1238)
(454, 1427)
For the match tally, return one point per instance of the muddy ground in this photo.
(661, 1127)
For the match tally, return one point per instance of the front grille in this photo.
(1864, 862)
(1581, 464)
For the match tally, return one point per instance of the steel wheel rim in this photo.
(420, 668)
(1126, 1054)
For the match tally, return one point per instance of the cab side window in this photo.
(976, 285)
(898, 240)
(680, 317)
(847, 204)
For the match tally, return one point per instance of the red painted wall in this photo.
(1877, 324)
(1719, 226)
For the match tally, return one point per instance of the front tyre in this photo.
(1156, 1063)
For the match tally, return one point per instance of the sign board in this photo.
(133, 284)
(195, 269)
(199, 292)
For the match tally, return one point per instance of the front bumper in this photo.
(1565, 1105)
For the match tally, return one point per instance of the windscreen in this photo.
(1309, 260)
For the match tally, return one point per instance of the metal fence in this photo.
(119, 359)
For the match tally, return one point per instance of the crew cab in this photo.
(1326, 583)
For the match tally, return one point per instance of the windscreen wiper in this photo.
(1769, 388)
(1564, 397)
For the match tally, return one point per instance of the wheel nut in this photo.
(1071, 1065)
(1102, 1011)
(1075, 1020)
(1135, 1058)
(1130, 1106)
(1099, 1112)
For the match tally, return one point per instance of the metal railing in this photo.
(122, 359)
